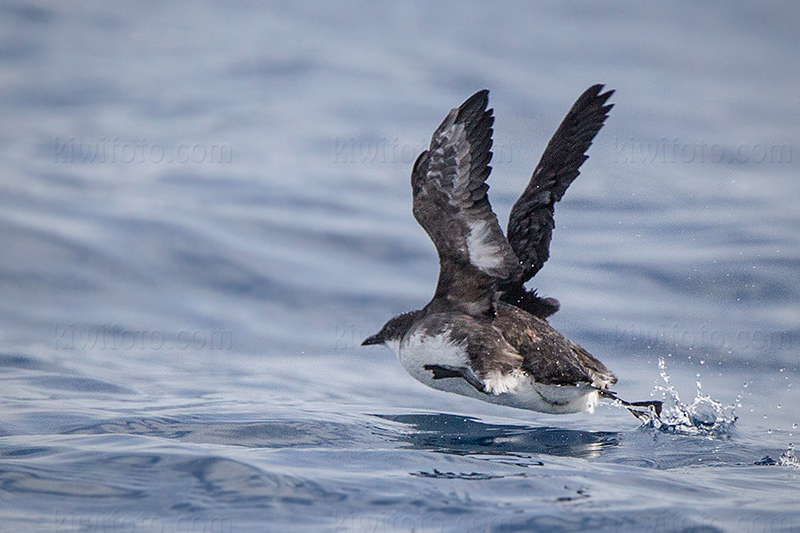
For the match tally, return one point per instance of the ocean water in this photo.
(204, 208)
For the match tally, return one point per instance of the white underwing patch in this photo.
(483, 253)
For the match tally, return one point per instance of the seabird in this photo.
(483, 334)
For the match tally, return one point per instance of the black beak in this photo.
(374, 339)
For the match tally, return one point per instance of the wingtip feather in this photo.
(473, 105)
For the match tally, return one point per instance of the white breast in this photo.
(418, 349)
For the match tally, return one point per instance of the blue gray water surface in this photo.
(205, 207)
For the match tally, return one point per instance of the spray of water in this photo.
(703, 416)
(788, 458)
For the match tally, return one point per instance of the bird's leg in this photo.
(448, 371)
(640, 410)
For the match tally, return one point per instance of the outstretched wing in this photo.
(450, 203)
(530, 225)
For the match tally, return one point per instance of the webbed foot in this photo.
(448, 371)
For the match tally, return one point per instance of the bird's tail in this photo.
(641, 410)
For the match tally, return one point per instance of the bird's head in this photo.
(394, 330)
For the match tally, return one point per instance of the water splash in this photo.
(704, 416)
(789, 459)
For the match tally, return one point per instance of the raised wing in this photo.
(450, 203)
(530, 225)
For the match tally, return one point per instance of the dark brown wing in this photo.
(450, 203)
(549, 357)
(530, 225)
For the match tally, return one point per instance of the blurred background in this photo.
(204, 208)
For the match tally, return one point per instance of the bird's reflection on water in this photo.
(460, 435)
